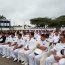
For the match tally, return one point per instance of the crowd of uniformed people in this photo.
(33, 47)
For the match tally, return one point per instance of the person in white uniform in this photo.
(6, 44)
(34, 58)
(56, 37)
(12, 46)
(57, 56)
(30, 46)
(20, 44)
(37, 36)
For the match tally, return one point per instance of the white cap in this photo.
(38, 51)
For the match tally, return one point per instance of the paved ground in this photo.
(4, 61)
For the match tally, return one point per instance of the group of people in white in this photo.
(34, 47)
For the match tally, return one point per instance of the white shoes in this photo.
(3, 56)
(24, 63)
(15, 59)
(8, 57)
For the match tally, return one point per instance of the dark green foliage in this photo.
(41, 22)
(2, 17)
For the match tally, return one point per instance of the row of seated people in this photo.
(34, 48)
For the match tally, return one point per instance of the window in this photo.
(2, 24)
(5, 24)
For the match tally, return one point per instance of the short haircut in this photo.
(44, 35)
(20, 34)
(47, 35)
(7, 33)
(32, 33)
(13, 34)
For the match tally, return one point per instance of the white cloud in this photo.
(20, 11)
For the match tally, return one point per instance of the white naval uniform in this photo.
(56, 39)
(4, 52)
(10, 48)
(26, 38)
(35, 59)
(37, 37)
(15, 52)
(50, 60)
(24, 54)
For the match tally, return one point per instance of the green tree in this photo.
(40, 22)
(57, 22)
(2, 17)
(60, 20)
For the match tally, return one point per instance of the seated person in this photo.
(42, 47)
(57, 55)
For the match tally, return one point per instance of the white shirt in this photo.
(59, 46)
(44, 43)
(8, 39)
(59, 54)
(20, 42)
(26, 38)
(56, 39)
(31, 44)
(37, 37)
(13, 40)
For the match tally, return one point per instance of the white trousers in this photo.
(1, 49)
(23, 55)
(50, 60)
(15, 52)
(35, 59)
(19, 55)
(5, 49)
(9, 51)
